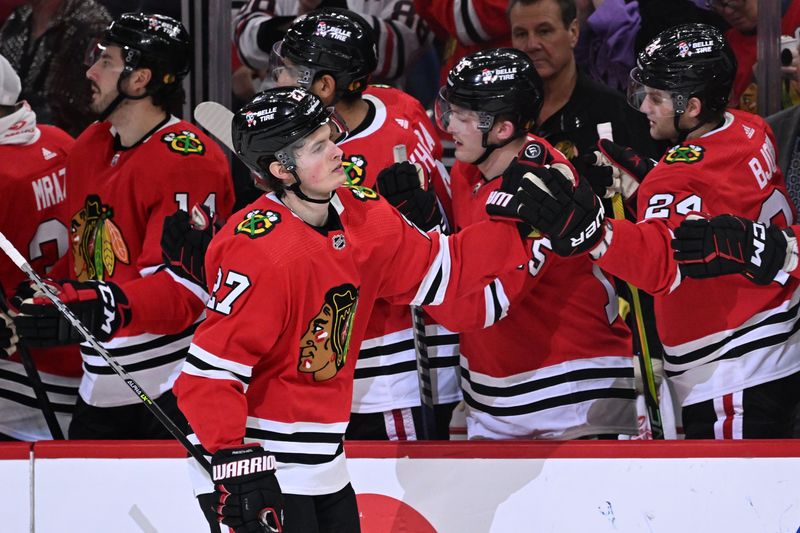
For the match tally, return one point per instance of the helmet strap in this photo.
(489, 148)
(295, 188)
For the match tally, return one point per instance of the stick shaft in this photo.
(165, 420)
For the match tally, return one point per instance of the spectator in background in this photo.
(786, 126)
(33, 189)
(576, 111)
(401, 34)
(742, 15)
(44, 40)
(605, 49)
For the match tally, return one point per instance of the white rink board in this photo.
(562, 495)
(15, 509)
(592, 495)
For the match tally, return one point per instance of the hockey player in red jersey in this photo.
(33, 183)
(293, 278)
(401, 35)
(386, 400)
(545, 354)
(127, 172)
(731, 346)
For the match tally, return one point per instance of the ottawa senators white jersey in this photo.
(273, 362)
(33, 184)
(386, 371)
(720, 335)
(545, 354)
(400, 34)
(118, 199)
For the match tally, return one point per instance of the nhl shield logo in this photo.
(338, 241)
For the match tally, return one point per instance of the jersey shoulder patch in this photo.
(689, 154)
(184, 142)
(257, 223)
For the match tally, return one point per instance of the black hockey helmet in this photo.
(687, 60)
(331, 41)
(497, 81)
(153, 41)
(265, 128)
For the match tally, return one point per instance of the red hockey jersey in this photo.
(33, 184)
(545, 354)
(118, 199)
(720, 335)
(386, 371)
(271, 363)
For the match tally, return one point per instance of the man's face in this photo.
(538, 31)
(103, 76)
(468, 139)
(319, 163)
(740, 14)
(657, 105)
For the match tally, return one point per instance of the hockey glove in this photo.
(502, 204)
(571, 216)
(8, 336)
(402, 184)
(613, 169)
(247, 495)
(184, 241)
(727, 244)
(100, 306)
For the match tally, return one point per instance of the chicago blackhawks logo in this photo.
(324, 345)
(691, 153)
(184, 143)
(354, 167)
(258, 223)
(97, 243)
(362, 193)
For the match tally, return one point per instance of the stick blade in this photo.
(216, 119)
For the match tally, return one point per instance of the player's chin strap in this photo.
(490, 148)
(122, 95)
(295, 188)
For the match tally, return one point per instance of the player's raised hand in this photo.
(727, 244)
(613, 169)
(404, 186)
(572, 216)
(184, 240)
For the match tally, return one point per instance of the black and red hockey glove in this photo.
(727, 244)
(184, 241)
(503, 202)
(100, 306)
(613, 169)
(571, 216)
(247, 495)
(402, 186)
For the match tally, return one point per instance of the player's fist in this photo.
(404, 186)
(572, 216)
(247, 496)
(101, 307)
(613, 169)
(184, 240)
(727, 244)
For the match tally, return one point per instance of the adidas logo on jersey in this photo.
(748, 131)
(402, 122)
(47, 154)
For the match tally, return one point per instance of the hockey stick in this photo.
(645, 362)
(216, 119)
(162, 417)
(35, 380)
(421, 348)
